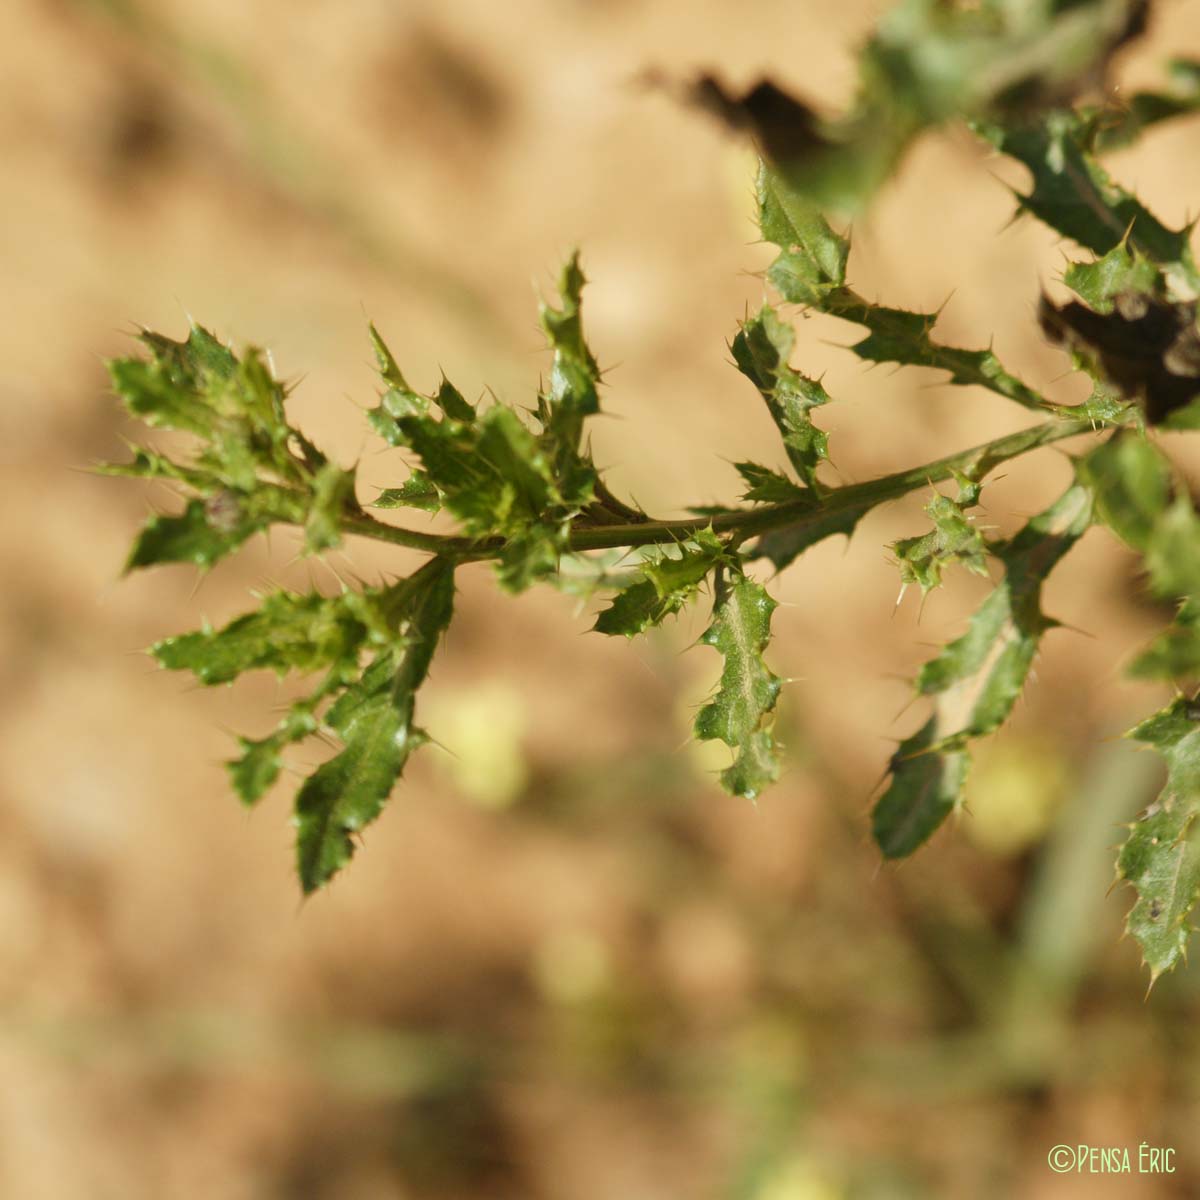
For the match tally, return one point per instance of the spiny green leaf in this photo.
(764, 486)
(452, 402)
(954, 539)
(927, 785)
(812, 261)
(670, 572)
(374, 720)
(1104, 406)
(1161, 857)
(149, 464)
(287, 632)
(977, 678)
(637, 608)
(573, 397)
(1131, 482)
(1073, 194)
(1122, 271)
(201, 534)
(574, 374)
(980, 675)
(305, 632)
(492, 475)
(761, 351)
(257, 397)
(811, 270)
(385, 425)
(898, 336)
(389, 371)
(151, 393)
(398, 401)
(348, 792)
(234, 405)
(738, 714)
(499, 480)
(667, 583)
(251, 467)
(401, 401)
(202, 357)
(449, 453)
(254, 771)
(515, 458)
(257, 767)
(174, 389)
(417, 491)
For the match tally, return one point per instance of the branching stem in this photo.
(858, 497)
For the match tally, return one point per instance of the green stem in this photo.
(796, 514)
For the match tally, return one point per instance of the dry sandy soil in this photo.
(563, 964)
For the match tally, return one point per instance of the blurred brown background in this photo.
(564, 964)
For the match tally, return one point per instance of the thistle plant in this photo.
(523, 491)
